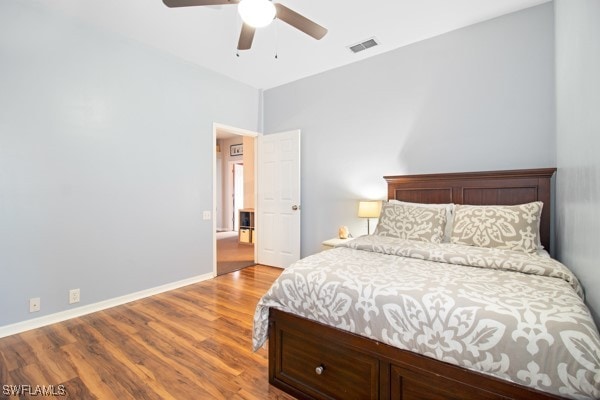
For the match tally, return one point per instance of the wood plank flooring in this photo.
(231, 255)
(189, 343)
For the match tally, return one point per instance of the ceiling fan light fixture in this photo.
(256, 13)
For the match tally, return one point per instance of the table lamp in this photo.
(369, 209)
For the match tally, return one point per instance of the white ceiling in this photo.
(208, 36)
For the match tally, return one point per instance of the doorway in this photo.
(234, 195)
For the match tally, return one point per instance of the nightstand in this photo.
(330, 243)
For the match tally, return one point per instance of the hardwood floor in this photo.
(231, 255)
(189, 343)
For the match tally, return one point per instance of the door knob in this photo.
(295, 207)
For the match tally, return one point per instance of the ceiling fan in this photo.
(256, 14)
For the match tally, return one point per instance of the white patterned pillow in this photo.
(449, 207)
(505, 227)
(403, 221)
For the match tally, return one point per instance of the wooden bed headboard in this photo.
(479, 188)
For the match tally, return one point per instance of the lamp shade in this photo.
(257, 13)
(369, 209)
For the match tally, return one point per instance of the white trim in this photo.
(19, 327)
(233, 129)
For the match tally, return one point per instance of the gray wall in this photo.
(578, 142)
(105, 162)
(480, 98)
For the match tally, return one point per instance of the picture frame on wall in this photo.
(236, 150)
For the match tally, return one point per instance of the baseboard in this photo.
(19, 327)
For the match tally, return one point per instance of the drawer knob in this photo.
(319, 370)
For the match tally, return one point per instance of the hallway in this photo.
(231, 255)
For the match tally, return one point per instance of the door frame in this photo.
(235, 131)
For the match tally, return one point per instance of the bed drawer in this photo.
(325, 372)
(408, 385)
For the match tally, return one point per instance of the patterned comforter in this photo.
(513, 315)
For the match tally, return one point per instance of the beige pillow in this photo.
(506, 227)
(449, 207)
(404, 221)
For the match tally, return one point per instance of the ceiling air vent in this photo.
(356, 48)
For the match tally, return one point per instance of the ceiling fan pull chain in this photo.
(276, 41)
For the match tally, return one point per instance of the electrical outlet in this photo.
(206, 215)
(74, 296)
(34, 304)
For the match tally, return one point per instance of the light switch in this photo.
(206, 215)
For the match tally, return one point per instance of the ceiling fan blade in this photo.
(192, 3)
(246, 37)
(300, 22)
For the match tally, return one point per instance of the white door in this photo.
(219, 193)
(278, 218)
(238, 194)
